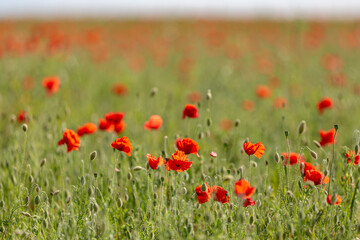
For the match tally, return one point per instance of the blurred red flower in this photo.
(22, 117)
(324, 103)
(203, 196)
(243, 189)
(123, 144)
(154, 163)
(190, 111)
(179, 162)
(337, 202)
(263, 91)
(51, 84)
(71, 139)
(119, 89)
(220, 194)
(294, 157)
(249, 202)
(87, 128)
(154, 123)
(327, 137)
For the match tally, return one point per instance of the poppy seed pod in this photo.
(302, 127)
(93, 155)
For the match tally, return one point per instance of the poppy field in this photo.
(179, 129)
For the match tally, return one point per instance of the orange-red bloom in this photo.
(203, 196)
(154, 123)
(294, 157)
(337, 202)
(248, 105)
(256, 149)
(327, 137)
(220, 194)
(87, 128)
(352, 157)
(249, 202)
(306, 166)
(22, 117)
(243, 189)
(263, 91)
(188, 146)
(71, 139)
(190, 111)
(154, 163)
(280, 102)
(114, 117)
(194, 96)
(316, 177)
(324, 103)
(123, 144)
(105, 125)
(179, 162)
(119, 127)
(51, 84)
(119, 89)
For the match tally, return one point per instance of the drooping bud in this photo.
(317, 144)
(277, 157)
(302, 127)
(93, 155)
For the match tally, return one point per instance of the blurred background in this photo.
(177, 8)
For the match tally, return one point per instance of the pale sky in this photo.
(179, 8)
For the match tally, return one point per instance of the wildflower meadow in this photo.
(186, 129)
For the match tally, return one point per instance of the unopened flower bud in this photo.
(209, 95)
(43, 162)
(237, 122)
(24, 127)
(153, 92)
(203, 187)
(93, 155)
(302, 127)
(317, 144)
(277, 157)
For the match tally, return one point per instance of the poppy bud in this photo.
(229, 219)
(56, 192)
(90, 191)
(251, 220)
(31, 179)
(336, 126)
(26, 200)
(209, 95)
(126, 198)
(356, 148)
(95, 175)
(277, 157)
(37, 200)
(153, 92)
(93, 155)
(326, 172)
(302, 127)
(290, 194)
(254, 164)
(241, 171)
(24, 127)
(201, 135)
(203, 187)
(138, 168)
(286, 133)
(333, 199)
(26, 214)
(2, 204)
(43, 162)
(183, 191)
(317, 144)
(119, 202)
(208, 122)
(313, 153)
(228, 178)
(129, 176)
(237, 122)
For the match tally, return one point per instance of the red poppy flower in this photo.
(119, 127)
(280, 102)
(249, 202)
(194, 97)
(114, 117)
(327, 137)
(324, 103)
(243, 189)
(179, 162)
(203, 196)
(190, 111)
(352, 157)
(263, 91)
(123, 144)
(154, 123)
(51, 84)
(306, 166)
(220, 194)
(188, 146)
(294, 157)
(119, 89)
(337, 202)
(316, 177)
(154, 163)
(87, 128)
(71, 139)
(332, 62)
(256, 149)
(22, 117)
(226, 124)
(105, 125)
(213, 154)
(248, 105)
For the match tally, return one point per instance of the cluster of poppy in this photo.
(112, 121)
(351, 157)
